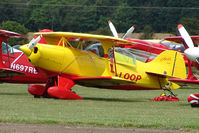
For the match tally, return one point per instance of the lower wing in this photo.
(6, 72)
(185, 82)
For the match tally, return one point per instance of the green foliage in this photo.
(39, 19)
(15, 27)
(191, 25)
(88, 15)
(102, 31)
(124, 18)
(147, 32)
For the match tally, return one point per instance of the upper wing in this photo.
(54, 37)
(179, 39)
(5, 33)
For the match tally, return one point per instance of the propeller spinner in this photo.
(33, 42)
(27, 49)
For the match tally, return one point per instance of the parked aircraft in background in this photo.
(14, 66)
(192, 53)
(147, 50)
(112, 68)
(191, 46)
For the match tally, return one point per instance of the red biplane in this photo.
(147, 50)
(190, 43)
(14, 66)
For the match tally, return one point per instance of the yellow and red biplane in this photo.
(112, 68)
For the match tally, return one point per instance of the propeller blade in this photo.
(185, 36)
(192, 53)
(112, 28)
(33, 42)
(129, 32)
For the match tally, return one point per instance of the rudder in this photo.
(169, 64)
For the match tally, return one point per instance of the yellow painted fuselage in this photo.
(85, 64)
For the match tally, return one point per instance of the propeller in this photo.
(114, 31)
(192, 53)
(28, 49)
(185, 36)
(129, 32)
(33, 42)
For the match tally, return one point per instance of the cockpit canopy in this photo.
(121, 54)
(173, 45)
(97, 49)
(7, 48)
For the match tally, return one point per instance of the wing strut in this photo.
(115, 62)
(106, 45)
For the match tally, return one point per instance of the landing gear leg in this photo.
(62, 89)
(164, 97)
(167, 88)
(171, 93)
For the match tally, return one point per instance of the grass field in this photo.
(100, 107)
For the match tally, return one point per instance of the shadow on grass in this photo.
(115, 99)
(12, 94)
(185, 105)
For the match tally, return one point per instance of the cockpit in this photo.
(121, 54)
(97, 49)
(173, 45)
(6, 48)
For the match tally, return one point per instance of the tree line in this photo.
(91, 16)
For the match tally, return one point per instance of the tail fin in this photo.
(168, 64)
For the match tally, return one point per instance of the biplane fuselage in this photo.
(116, 72)
(85, 68)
